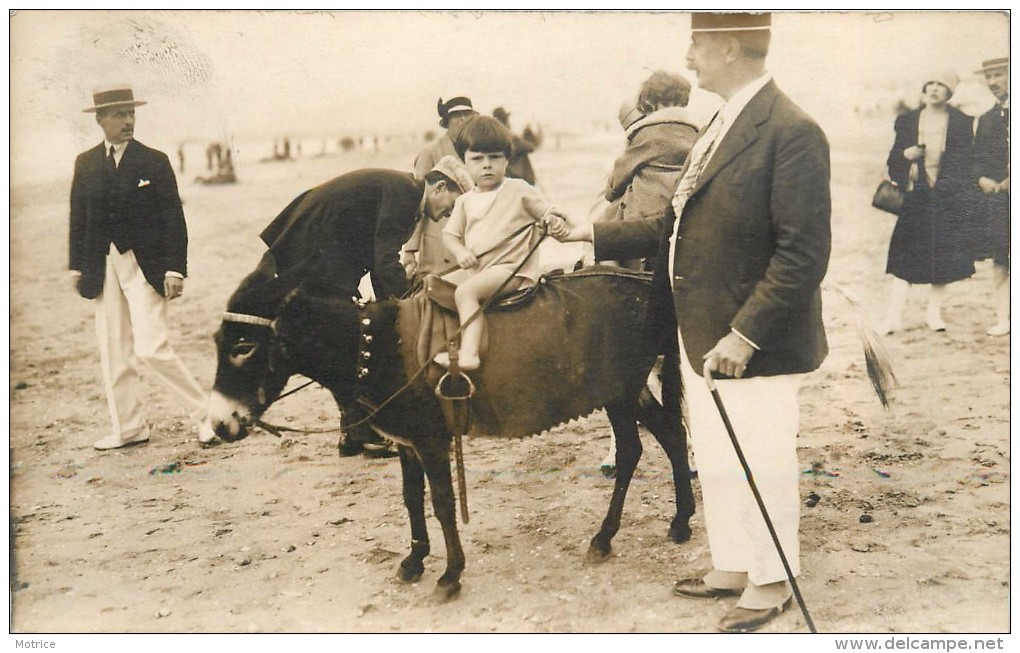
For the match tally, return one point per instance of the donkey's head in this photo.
(251, 367)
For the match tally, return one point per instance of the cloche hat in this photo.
(946, 77)
(459, 104)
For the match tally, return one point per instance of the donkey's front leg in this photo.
(413, 566)
(623, 417)
(435, 458)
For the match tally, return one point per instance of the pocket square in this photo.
(142, 183)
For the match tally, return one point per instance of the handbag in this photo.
(888, 197)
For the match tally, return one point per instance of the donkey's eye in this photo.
(242, 348)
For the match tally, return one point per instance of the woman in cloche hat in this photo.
(930, 160)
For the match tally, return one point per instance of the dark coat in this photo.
(931, 242)
(754, 243)
(147, 209)
(350, 226)
(991, 211)
(519, 165)
(645, 176)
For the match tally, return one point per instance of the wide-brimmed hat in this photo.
(501, 114)
(118, 96)
(451, 167)
(459, 104)
(992, 64)
(947, 77)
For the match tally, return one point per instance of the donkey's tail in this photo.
(876, 357)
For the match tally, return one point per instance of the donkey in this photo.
(576, 346)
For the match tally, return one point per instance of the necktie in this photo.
(700, 154)
(111, 163)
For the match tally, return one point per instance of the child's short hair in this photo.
(483, 134)
(664, 88)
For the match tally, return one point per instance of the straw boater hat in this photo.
(993, 64)
(118, 96)
(459, 104)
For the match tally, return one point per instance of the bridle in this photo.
(364, 342)
(259, 321)
(243, 318)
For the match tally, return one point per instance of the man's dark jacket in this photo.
(754, 243)
(347, 227)
(136, 205)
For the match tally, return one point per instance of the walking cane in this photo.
(754, 490)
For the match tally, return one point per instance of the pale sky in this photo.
(266, 74)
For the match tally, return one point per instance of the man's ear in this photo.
(734, 50)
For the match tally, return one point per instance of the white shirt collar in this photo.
(736, 104)
(118, 149)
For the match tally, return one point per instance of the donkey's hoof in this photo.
(608, 470)
(446, 591)
(410, 572)
(598, 551)
(679, 532)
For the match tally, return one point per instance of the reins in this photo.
(375, 410)
(481, 309)
(518, 232)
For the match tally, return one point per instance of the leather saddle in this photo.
(438, 322)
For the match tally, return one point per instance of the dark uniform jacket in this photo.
(136, 206)
(991, 159)
(347, 227)
(754, 243)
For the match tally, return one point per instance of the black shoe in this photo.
(697, 589)
(745, 620)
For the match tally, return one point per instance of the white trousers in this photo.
(766, 419)
(132, 325)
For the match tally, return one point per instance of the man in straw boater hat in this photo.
(742, 252)
(129, 253)
(991, 173)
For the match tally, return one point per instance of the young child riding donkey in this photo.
(493, 232)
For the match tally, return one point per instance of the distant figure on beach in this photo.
(224, 174)
(991, 171)
(930, 160)
(519, 165)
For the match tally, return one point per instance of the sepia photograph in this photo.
(510, 321)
